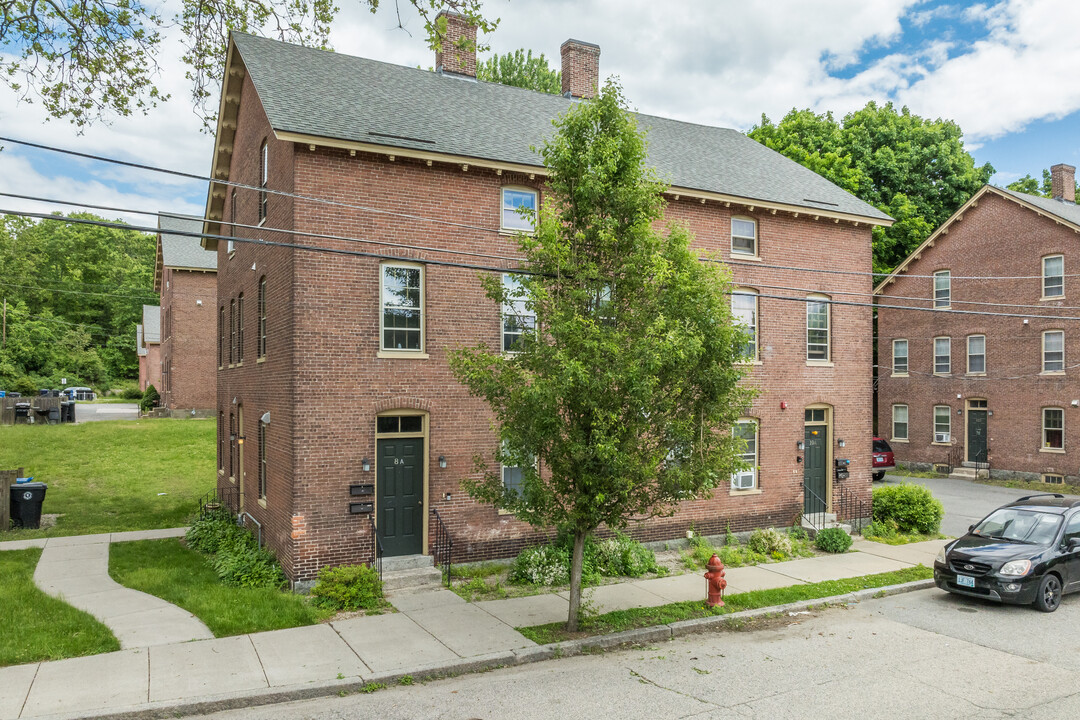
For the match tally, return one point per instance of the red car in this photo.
(883, 458)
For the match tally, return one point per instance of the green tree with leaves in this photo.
(1031, 186)
(913, 168)
(621, 405)
(520, 69)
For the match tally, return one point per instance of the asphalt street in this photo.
(89, 412)
(920, 655)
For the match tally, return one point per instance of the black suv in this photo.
(1025, 552)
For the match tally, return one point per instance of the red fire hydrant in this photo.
(715, 581)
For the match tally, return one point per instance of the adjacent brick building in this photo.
(185, 276)
(983, 376)
(148, 347)
(334, 394)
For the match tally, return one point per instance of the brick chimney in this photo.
(580, 69)
(452, 58)
(1063, 182)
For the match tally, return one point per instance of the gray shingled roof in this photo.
(151, 318)
(1069, 212)
(338, 96)
(139, 348)
(183, 251)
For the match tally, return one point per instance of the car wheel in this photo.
(1049, 596)
(879, 475)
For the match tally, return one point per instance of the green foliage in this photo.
(1031, 186)
(606, 412)
(349, 587)
(769, 541)
(618, 556)
(882, 529)
(234, 553)
(521, 69)
(912, 168)
(131, 393)
(912, 508)
(541, 565)
(763, 546)
(150, 399)
(833, 540)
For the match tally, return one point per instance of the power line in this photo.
(149, 293)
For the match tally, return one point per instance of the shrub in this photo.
(833, 540)
(621, 555)
(798, 533)
(913, 508)
(769, 542)
(233, 552)
(150, 399)
(131, 393)
(349, 587)
(609, 557)
(208, 532)
(541, 565)
(885, 529)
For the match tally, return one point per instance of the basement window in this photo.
(1053, 479)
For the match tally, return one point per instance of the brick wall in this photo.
(189, 339)
(150, 367)
(1000, 238)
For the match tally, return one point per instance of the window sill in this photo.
(746, 256)
(899, 375)
(232, 365)
(750, 491)
(750, 362)
(503, 512)
(262, 503)
(240, 364)
(943, 307)
(402, 354)
(898, 440)
(220, 367)
(1054, 451)
(945, 444)
(970, 374)
(511, 232)
(948, 374)
(1051, 298)
(260, 361)
(262, 222)
(231, 253)
(1053, 373)
(221, 472)
(819, 363)
(232, 479)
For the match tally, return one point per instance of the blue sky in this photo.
(1006, 71)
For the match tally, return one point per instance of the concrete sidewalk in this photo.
(433, 632)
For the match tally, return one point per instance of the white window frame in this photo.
(747, 479)
(517, 223)
(942, 296)
(941, 438)
(264, 180)
(1059, 285)
(753, 237)
(383, 306)
(1047, 369)
(907, 349)
(516, 309)
(751, 327)
(827, 302)
(895, 422)
(1045, 444)
(970, 354)
(230, 244)
(947, 356)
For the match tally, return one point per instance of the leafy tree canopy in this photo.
(521, 69)
(619, 407)
(1031, 186)
(915, 169)
(88, 59)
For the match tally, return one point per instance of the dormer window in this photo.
(514, 201)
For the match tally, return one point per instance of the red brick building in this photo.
(336, 405)
(983, 374)
(185, 276)
(148, 347)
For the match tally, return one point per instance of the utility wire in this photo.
(149, 293)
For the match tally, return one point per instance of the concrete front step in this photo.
(967, 473)
(412, 579)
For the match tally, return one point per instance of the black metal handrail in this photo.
(816, 517)
(850, 509)
(983, 463)
(956, 457)
(443, 547)
(227, 497)
(376, 548)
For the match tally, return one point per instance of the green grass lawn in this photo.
(38, 627)
(114, 475)
(169, 570)
(620, 620)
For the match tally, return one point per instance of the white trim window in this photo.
(746, 429)
(230, 244)
(1053, 428)
(513, 201)
(976, 354)
(518, 322)
(511, 478)
(1053, 276)
(942, 355)
(817, 328)
(743, 236)
(942, 289)
(744, 307)
(402, 298)
(899, 422)
(264, 179)
(1053, 351)
(942, 424)
(900, 357)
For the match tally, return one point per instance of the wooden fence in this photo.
(39, 407)
(7, 479)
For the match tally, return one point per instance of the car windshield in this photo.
(1019, 525)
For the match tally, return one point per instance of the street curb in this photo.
(479, 663)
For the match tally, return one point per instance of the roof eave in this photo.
(224, 134)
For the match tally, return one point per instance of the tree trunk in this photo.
(576, 561)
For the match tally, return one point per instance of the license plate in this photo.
(965, 581)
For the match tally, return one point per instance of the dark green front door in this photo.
(400, 495)
(815, 474)
(976, 436)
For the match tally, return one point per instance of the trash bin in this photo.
(67, 411)
(26, 500)
(22, 410)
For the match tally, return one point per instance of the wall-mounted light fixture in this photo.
(442, 461)
(232, 437)
(799, 445)
(841, 443)
(365, 465)
(265, 418)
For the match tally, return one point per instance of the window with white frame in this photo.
(817, 328)
(747, 431)
(743, 236)
(942, 423)
(514, 201)
(230, 244)
(942, 356)
(942, 289)
(1053, 429)
(899, 357)
(744, 307)
(976, 354)
(1053, 351)
(512, 477)
(518, 322)
(402, 308)
(264, 179)
(899, 422)
(1053, 276)
(262, 460)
